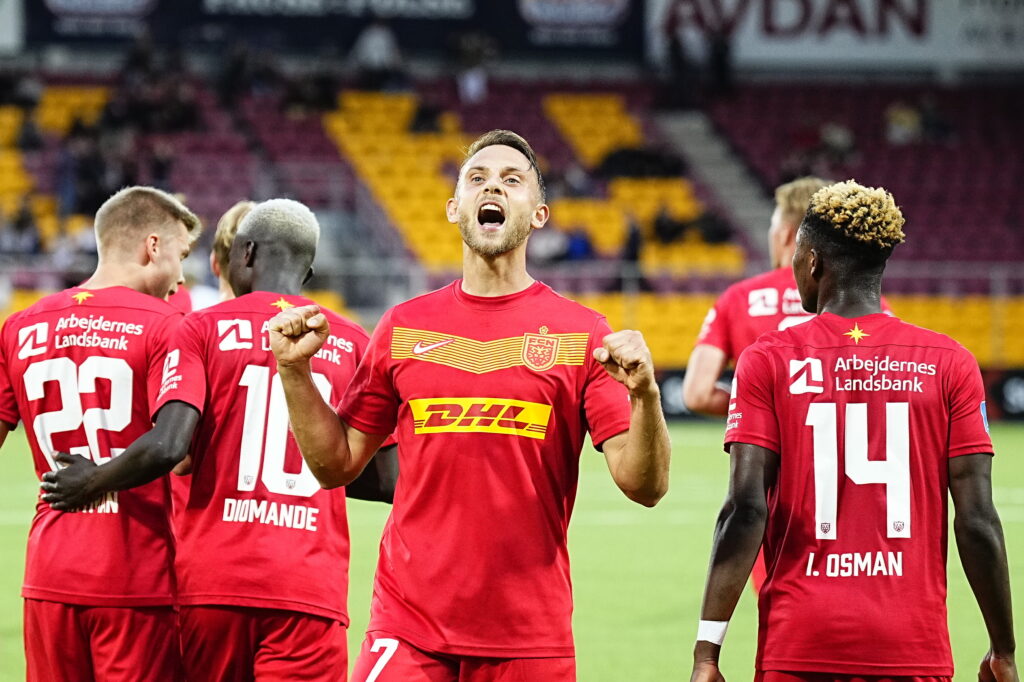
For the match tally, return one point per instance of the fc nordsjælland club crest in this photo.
(539, 352)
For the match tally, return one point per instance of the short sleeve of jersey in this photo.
(605, 400)
(8, 400)
(183, 370)
(370, 403)
(752, 416)
(968, 420)
(715, 330)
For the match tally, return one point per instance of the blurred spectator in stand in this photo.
(30, 139)
(21, 236)
(473, 50)
(579, 247)
(547, 246)
(720, 72)
(28, 89)
(902, 124)
(236, 76)
(837, 142)
(161, 162)
(577, 181)
(630, 275)
(713, 229)
(377, 58)
(666, 228)
(682, 73)
(935, 127)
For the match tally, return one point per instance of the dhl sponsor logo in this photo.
(480, 415)
(538, 352)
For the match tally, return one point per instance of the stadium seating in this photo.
(958, 194)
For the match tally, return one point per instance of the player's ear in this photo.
(815, 264)
(451, 210)
(152, 246)
(250, 253)
(309, 275)
(214, 265)
(540, 216)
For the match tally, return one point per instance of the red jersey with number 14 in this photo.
(864, 414)
(255, 528)
(81, 369)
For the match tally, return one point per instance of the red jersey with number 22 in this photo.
(864, 414)
(493, 398)
(255, 528)
(81, 368)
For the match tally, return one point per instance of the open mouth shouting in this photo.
(491, 215)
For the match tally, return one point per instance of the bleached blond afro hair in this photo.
(867, 215)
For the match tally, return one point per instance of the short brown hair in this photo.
(793, 197)
(137, 209)
(507, 138)
(227, 227)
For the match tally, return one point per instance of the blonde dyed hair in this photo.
(136, 211)
(793, 197)
(867, 215)
(227, 228)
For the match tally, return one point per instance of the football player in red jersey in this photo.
(493, 382)
(81, 369)
(262, 553)
(751, 307)
(845, 434)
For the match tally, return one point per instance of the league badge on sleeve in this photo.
(984, 415)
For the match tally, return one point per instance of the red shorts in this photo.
(777, 676)
(385, 658)
(69, 643)
(238, 643)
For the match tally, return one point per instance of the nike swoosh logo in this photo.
(420, 349)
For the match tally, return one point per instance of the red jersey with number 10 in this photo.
(255, 528)
(864, 414)
(81, 368)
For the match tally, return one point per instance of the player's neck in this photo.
(277, 282)
(850, 303)
(494, 276)
(108, 275)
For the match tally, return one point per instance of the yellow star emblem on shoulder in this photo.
(82, 296)
(856, 333)
(282, 304)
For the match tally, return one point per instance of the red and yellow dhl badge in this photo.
(480, 415)
(539, 352)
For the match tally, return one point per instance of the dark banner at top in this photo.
(612, 27)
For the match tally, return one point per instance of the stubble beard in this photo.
(516, 231)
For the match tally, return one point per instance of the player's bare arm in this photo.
(639, 458)
(335, 452)
(702, 392)
(149, 457)
(738, 535)
(379, 478)
(979, 541)
(5, 428)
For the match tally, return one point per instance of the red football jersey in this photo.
(81, 369)
(492, 398)
(863, 413)
(751, 307)
(255, 528)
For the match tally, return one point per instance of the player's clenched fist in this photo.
(626, 357)
(296, 334)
